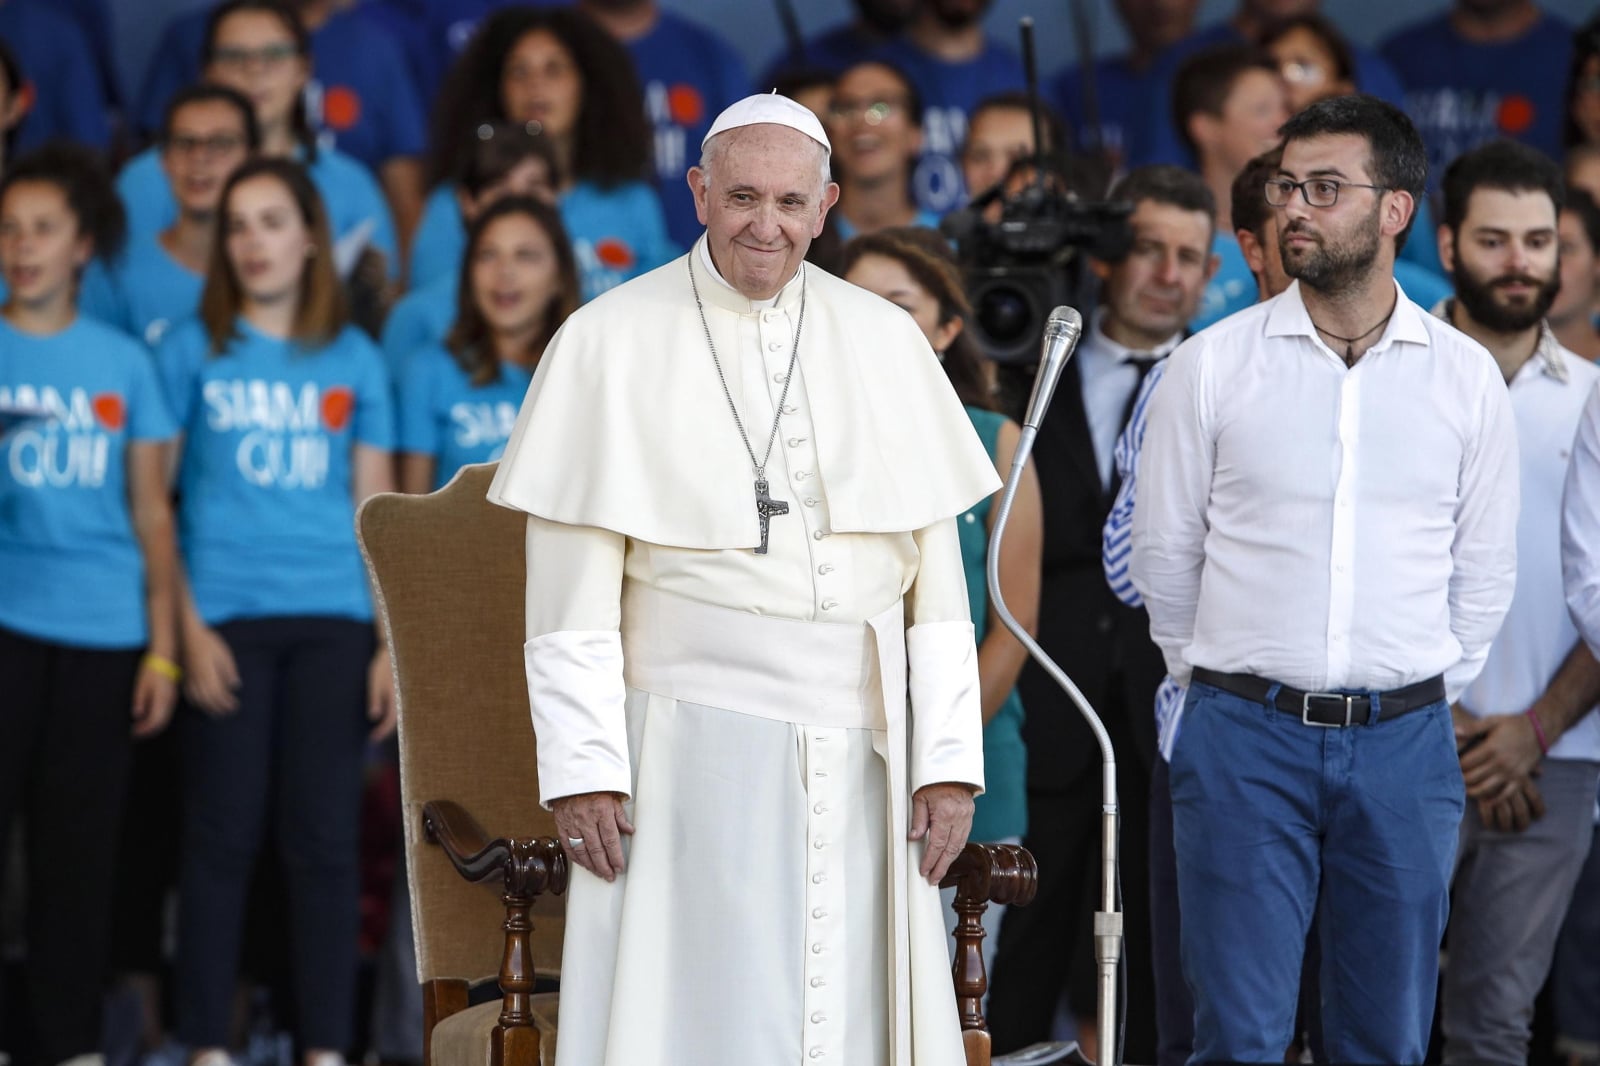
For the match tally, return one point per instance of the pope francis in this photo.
(749, 656)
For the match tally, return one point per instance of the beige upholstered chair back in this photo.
(449, 575)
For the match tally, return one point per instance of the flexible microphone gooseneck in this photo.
(1061, 335)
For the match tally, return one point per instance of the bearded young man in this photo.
(750, 659)
(1325, 538)
(1532, 709)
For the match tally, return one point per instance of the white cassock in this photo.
(753, 707)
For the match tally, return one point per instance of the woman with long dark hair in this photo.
(88, 629)
(913, 268)
(458, 402)
(557, 68)
(287, 426)
(260, 49)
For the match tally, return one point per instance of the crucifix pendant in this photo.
(766, 508)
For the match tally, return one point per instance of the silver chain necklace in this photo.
(766, 507)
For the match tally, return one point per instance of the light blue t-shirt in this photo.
(1232, 288)
(847, 229)
(266, 518)
(421, 319)
(616, 234)
(73, 571)
(444, 415)
(354, 202)
(144, 292)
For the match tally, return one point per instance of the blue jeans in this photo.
(1275, 820)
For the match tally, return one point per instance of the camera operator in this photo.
(1045, 950)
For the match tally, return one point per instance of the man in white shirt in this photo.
(1325, 538)
(1532, 709)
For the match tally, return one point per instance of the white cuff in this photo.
(576, 693)
(946, 705)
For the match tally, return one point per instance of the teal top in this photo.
(1002, 810)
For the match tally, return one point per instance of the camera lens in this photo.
(1006, 315)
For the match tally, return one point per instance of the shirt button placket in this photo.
(824, 755)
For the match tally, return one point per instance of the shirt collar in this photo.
(1547, 352)
(1121, 353)
(724, 295)
(1289, 318)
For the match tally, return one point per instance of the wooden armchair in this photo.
(448, 573)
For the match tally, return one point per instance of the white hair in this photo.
(717, 146)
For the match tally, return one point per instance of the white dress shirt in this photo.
(1109, 378)
(1547, 397)
(1580, 558)
(1323, 526)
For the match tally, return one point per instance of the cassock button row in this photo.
(819, 809)
(819, 914)
(817, 1017)
(773, 346)
(825, 568)
(811, 501)
(801, 475)
(816, 1053)
(780, 378)
(817, 982)
(828, 605)
(819, 844)
(818, 535)
(816, 949)
(795, 442)
(789, 408)
(817, 879)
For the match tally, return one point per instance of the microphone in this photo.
(1061, 335)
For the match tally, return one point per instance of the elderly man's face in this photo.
(762, 206)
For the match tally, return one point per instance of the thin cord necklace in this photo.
(766, 507)
(1350, 342)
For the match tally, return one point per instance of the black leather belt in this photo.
(1331, 710)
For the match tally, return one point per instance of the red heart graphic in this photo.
(341, 107)
(110, 410)
(685, 105)
(614, 253)
(337, 404)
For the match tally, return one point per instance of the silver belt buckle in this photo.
(1342, 697)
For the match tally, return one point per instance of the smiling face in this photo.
(1503, 258)
(515, 275)
(42, 248)
(205, 145)
(255, 54)
(540, 82)
(874, 134)
(763, 202)
(268, 241)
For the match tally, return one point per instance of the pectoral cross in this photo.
(766, 508)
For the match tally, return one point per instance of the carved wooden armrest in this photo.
(983, 874)
(527, 869)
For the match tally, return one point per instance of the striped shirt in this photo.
(1116, 546)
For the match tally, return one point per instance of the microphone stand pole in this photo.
(1108, 919)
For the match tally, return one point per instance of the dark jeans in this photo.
(1266, 809)
(289, 757)
(65, 722)
(1174, 1004)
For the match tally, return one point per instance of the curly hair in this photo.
(83, 179)
(611, 144)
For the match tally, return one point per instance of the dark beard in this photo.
(1478, 299)
(1333, 270)
(885, 17)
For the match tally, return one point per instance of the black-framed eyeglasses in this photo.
(1319, 192)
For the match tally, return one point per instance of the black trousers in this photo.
(1047, 948)
(290, 758)
(65, 738)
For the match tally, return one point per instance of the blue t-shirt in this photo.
(1462, 94)
(73, 569)
(1126, 102)
(847, 229)
(144, 292)
(689, 76)
(949, 92)
(360, 99)
(355, 205)
(616, 234)
(266, 518)
(56, 57)
(1232, 288)
(1373, 75)
(444, 415)
(420, 320)
(834, 50)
